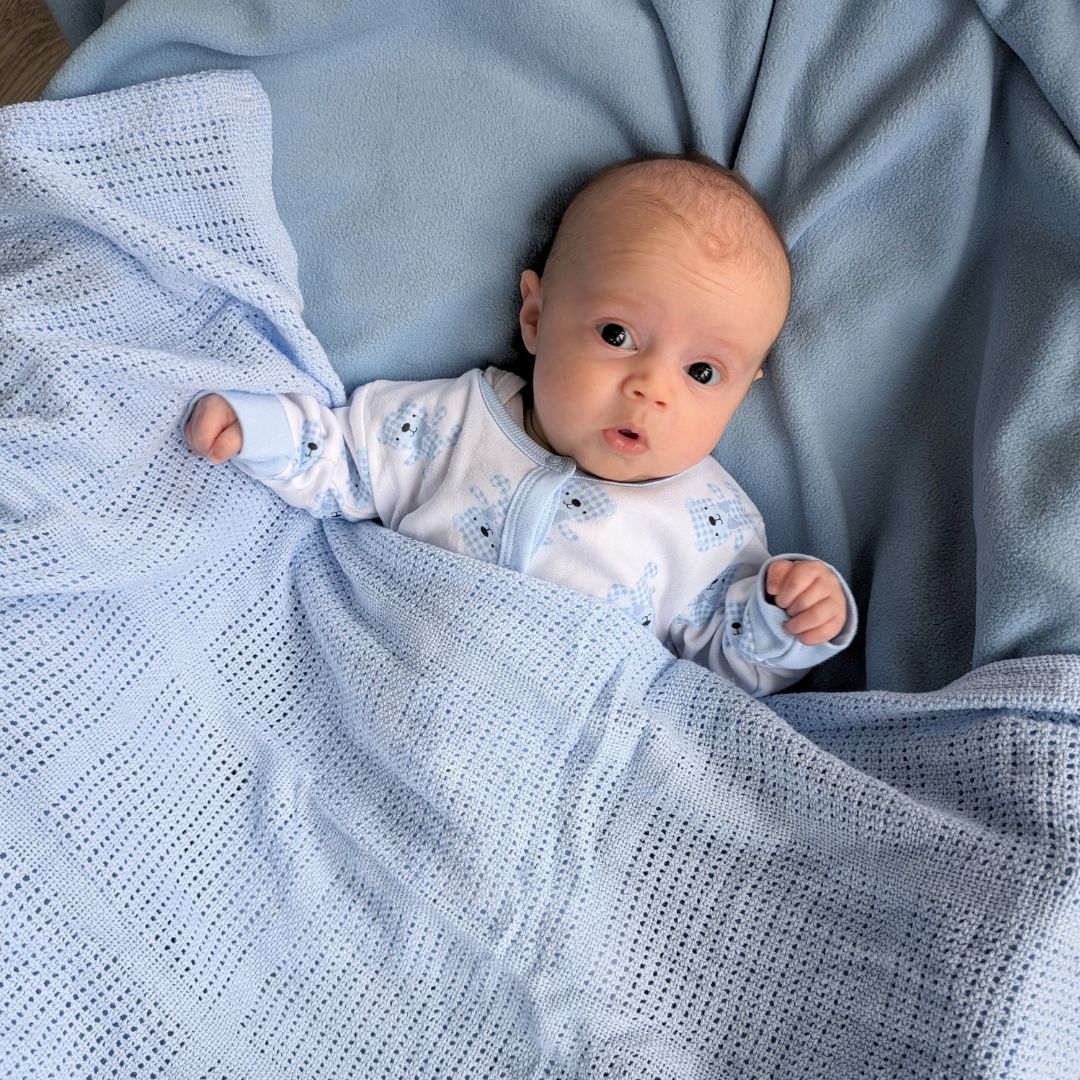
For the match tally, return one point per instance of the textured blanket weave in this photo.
(283, 798)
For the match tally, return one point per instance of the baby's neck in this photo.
(532, 431)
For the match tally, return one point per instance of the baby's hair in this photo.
(714, 202)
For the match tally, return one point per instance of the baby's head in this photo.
(666, 285)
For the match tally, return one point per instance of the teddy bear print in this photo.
(703, 607)
(409, 429)
(737, 631)
(360, 480)
(720, 517)
(481, 524)
(577, 502)
(329, 502)
(310, 447)
(636, 600)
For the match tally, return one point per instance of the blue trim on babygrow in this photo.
(268, 444)
(530, 515)
(533, 506)
(515, 432)
(536, 502)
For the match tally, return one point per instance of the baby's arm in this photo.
(779, 618)
(299, 448)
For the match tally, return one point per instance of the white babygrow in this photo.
(448, 461)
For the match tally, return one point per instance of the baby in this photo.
(666, 285)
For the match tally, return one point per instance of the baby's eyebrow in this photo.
(602, 300)
(751, 363)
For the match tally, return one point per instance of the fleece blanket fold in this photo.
(291, 798)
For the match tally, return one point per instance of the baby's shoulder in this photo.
(705, 507)
(423, 417)
(706, 480)
(422, 402)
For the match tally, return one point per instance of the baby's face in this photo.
(645, 345)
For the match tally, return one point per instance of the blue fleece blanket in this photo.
(284, 798)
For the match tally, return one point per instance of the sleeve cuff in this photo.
(774, 645)
(268, 447)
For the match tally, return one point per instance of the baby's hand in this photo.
(213, 430)
(810, 592)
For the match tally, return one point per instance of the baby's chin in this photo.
(619, 472)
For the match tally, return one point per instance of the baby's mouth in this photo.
(633, 433)
(626, 439)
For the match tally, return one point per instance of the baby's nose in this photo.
(650, 385)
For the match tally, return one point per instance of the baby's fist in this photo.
(812, 594)
(213, 430)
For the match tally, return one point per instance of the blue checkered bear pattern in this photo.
(735, 629)
(579, 501)
(327, 505)
(636, 599)
(703, 607)
(310, 447)
(409, 428)
(360, 480)
(481, 524)
(719, 518)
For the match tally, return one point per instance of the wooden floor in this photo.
(31, 49)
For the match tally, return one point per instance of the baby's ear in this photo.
(532, 301)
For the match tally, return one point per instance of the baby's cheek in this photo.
(691, 447)
(714, 423)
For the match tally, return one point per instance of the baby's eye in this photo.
(615, 334)
(704, 373)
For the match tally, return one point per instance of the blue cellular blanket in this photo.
(291, 798)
